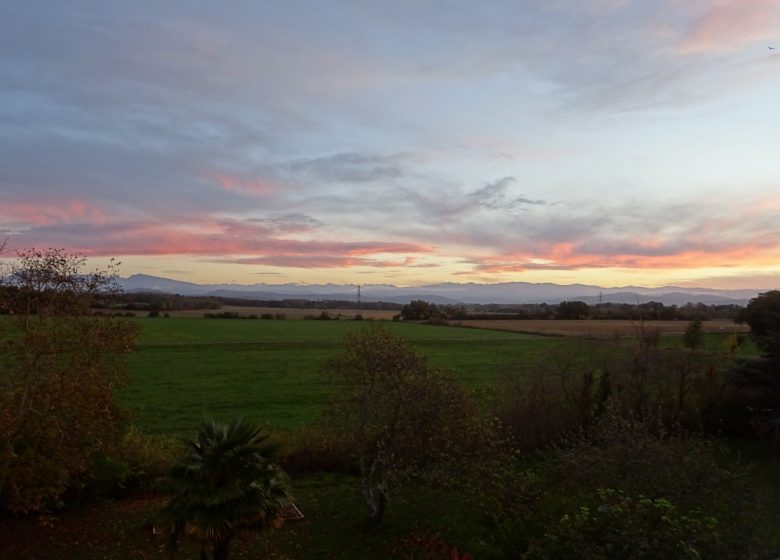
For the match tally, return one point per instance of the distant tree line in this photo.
(419, 310)
(174, 302)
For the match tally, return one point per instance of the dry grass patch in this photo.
(599, 328)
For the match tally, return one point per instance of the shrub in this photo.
(315, 448)
(641, 458)
(138, 465)
(225, 485)
(623, 527)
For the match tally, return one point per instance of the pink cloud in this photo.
(570, 257)
(729, 24)
(50, 212)
(248, 241)
(241, 184)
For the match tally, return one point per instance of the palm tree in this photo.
(225, 484)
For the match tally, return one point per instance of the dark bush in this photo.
(622, 527)
(317, 449)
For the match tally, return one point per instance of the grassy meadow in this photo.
(272, 371)
(185, 369)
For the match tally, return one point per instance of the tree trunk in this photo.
(222, 550)
(379, 503)
(375, 488)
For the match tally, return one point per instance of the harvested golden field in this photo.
(599, 328)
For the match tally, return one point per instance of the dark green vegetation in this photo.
(420, 310)
(225, 485)
(271, 371)
(664, 487)
(502, 445)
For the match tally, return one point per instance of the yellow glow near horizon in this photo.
(201, 271)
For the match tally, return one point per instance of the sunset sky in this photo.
(607, 142)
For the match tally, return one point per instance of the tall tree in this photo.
(401, 416)
(759, 378)
(762, 314)
(694, 335)
(225, 484)
(59, 369)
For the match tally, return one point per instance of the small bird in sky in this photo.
(771, 48)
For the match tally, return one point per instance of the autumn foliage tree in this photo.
(402, 418)
(59, 369)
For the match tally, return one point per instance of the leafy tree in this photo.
(419, 310)
(762, 314)
(59, 369)
(694, 335)
(759, 378)
(572, 310)
(402, 417)
(225, 484)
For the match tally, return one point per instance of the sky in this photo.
(607, 142)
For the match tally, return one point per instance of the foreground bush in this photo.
(138, 464)
(314, 449)
(225, 483)
(641, 458)
(59, 370)
(620, 527)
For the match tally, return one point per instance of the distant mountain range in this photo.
(443, 293)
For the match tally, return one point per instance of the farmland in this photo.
(185, 369)
(271, 371)
(592, 328)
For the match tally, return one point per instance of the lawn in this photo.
(335, 527)
(272, 371)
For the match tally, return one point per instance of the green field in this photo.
(271, 371)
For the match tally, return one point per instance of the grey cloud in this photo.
(493, 190)
(620, 228)
(350, 167)
(495, 196)
(289, 223)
